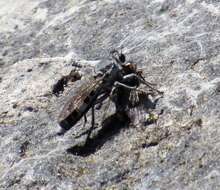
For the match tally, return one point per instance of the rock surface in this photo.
(177, 43)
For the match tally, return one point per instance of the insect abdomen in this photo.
(71, 120)
(74, 116)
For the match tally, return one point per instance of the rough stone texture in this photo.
(177, 43)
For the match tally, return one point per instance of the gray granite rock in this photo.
(177, 43)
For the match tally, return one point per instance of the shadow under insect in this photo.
(110, 127)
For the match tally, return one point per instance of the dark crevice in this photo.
(29, 109)
(23, 148)
(147, 145)
(192, 66)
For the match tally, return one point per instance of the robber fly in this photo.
(116, 81)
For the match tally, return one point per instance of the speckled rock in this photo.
(177, 43)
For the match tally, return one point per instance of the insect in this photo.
(59, 86)
(116, 81)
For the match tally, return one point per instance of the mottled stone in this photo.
(177, 43)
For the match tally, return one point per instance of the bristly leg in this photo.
(92, 125)
(134, 78)
(106, 109)
(85, 120)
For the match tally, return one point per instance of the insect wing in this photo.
(79, 104)
(140, 107)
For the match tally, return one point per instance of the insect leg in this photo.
(141, 80)
(93, 118)
(100, 100)
(105, 110)
(85, 120)
(93, 125)
(124, 85)
(148, 85)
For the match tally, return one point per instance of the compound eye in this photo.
(122, 58)
(140, 71)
